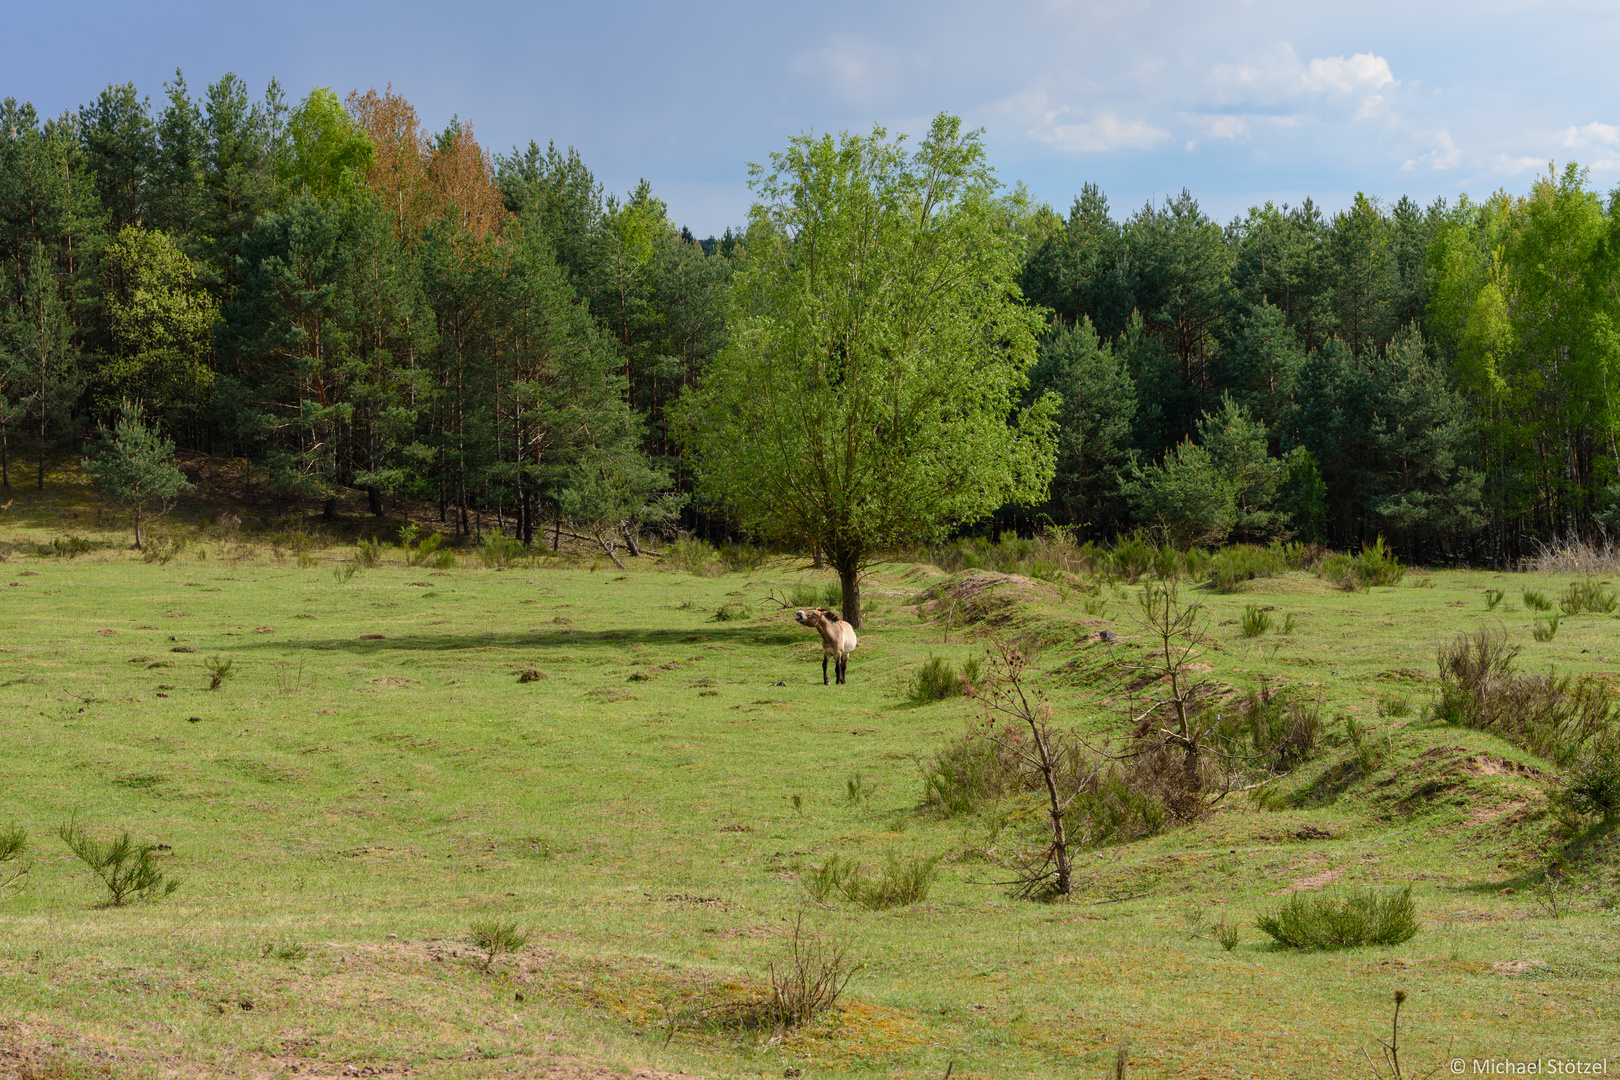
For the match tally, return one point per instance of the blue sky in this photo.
(1238, 102)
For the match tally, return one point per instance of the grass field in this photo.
(372, 776)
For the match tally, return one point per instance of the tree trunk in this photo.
(329, 508)
(630, 541)
(137, 528)
(849, 576)
(374, 500)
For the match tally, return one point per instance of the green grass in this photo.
(374, 778)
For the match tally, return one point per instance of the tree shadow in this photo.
(558, 640)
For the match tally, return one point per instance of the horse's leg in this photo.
(823, 669)
(843, 665)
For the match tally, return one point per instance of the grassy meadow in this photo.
(643, 767)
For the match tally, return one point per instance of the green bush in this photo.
(1594, 787)
(1357, 917)
(743, 557)
(13, 846)
(496, 937)
(1376, 565)
(731, 612)
(971, 771)
(1256, 620)
(1235, 565)
(499, 550)
(937, 680)
(125, 867)
(1545, 628)
(803, 595)
(1492, 598)
(1588, 595)
(902, 881)
(1536, 600)
(690, 555)
(1555, 717)
(368, 553)
(832, 595)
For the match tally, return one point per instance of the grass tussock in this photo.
(900, 883)
(1588, 595)
(1333, 920)
(937, 680)
(1375, 565)
(1554, 717)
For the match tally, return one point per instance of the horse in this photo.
(837, 639)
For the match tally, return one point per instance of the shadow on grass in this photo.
(1592, 843)
(531, 640)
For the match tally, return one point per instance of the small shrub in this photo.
(497, 938)
(1326, 920)
(162, 550)
(218, 671)
(901, 883)
(1492, 598)
(690, 555)
(67, 547)
(1256, 620)
(1282, 728)
(13, 847)
(1234, 566)
(529, 675)
(1370, 751)
(803, 594)
(1555, 717)
(426, 552)
(125, 867)
(368, 553)
(499, 550)
(344, 571)
(1536, 600)
(1594, 787)
(1375, 565)
(290, 950)
(1227, 934)
(857, 790)
(731, 612)
(936, 680)
(743, 557)
(808, 980)
(1394, 706)
(832, 595)
(1588, 595)
(1545, 628)
(1289, 622)
(971, 771)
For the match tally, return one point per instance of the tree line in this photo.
(350, 301)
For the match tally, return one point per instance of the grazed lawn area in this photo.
(372, 776)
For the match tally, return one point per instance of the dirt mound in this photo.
(981, 596)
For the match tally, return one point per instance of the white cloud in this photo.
(1279, 76)
(1103, 132)
(1220, 125)
(1593, 134)
(1513, 166)
(1444, 155)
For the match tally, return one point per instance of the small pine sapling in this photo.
(497, 938)
(134, 465)
(125, 867)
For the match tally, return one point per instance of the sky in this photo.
(1239, 103)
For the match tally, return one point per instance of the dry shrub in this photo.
(809, 979)
(1576, 556)
(1551, 716)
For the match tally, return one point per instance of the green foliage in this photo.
(329, 153)
(1545, 628)
(13, 847)
(937, 680)
(1492, 598)
(134, 465)
(1536, 600)
(1235, 565)
(1185, 497)
(1555, 717)
(218, 671)
(67, 547)
(126, 868)
(900, 883)
(1256, 621)
(732, 611)
(1588, 595)
(1375, 565)
(863, 400)
(428, 551)
(500, 550)
(690, 555)
(971, 772)
(368, 553)
(497, 938)
(1594, 785)
(161, 324)
(1333, 920)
